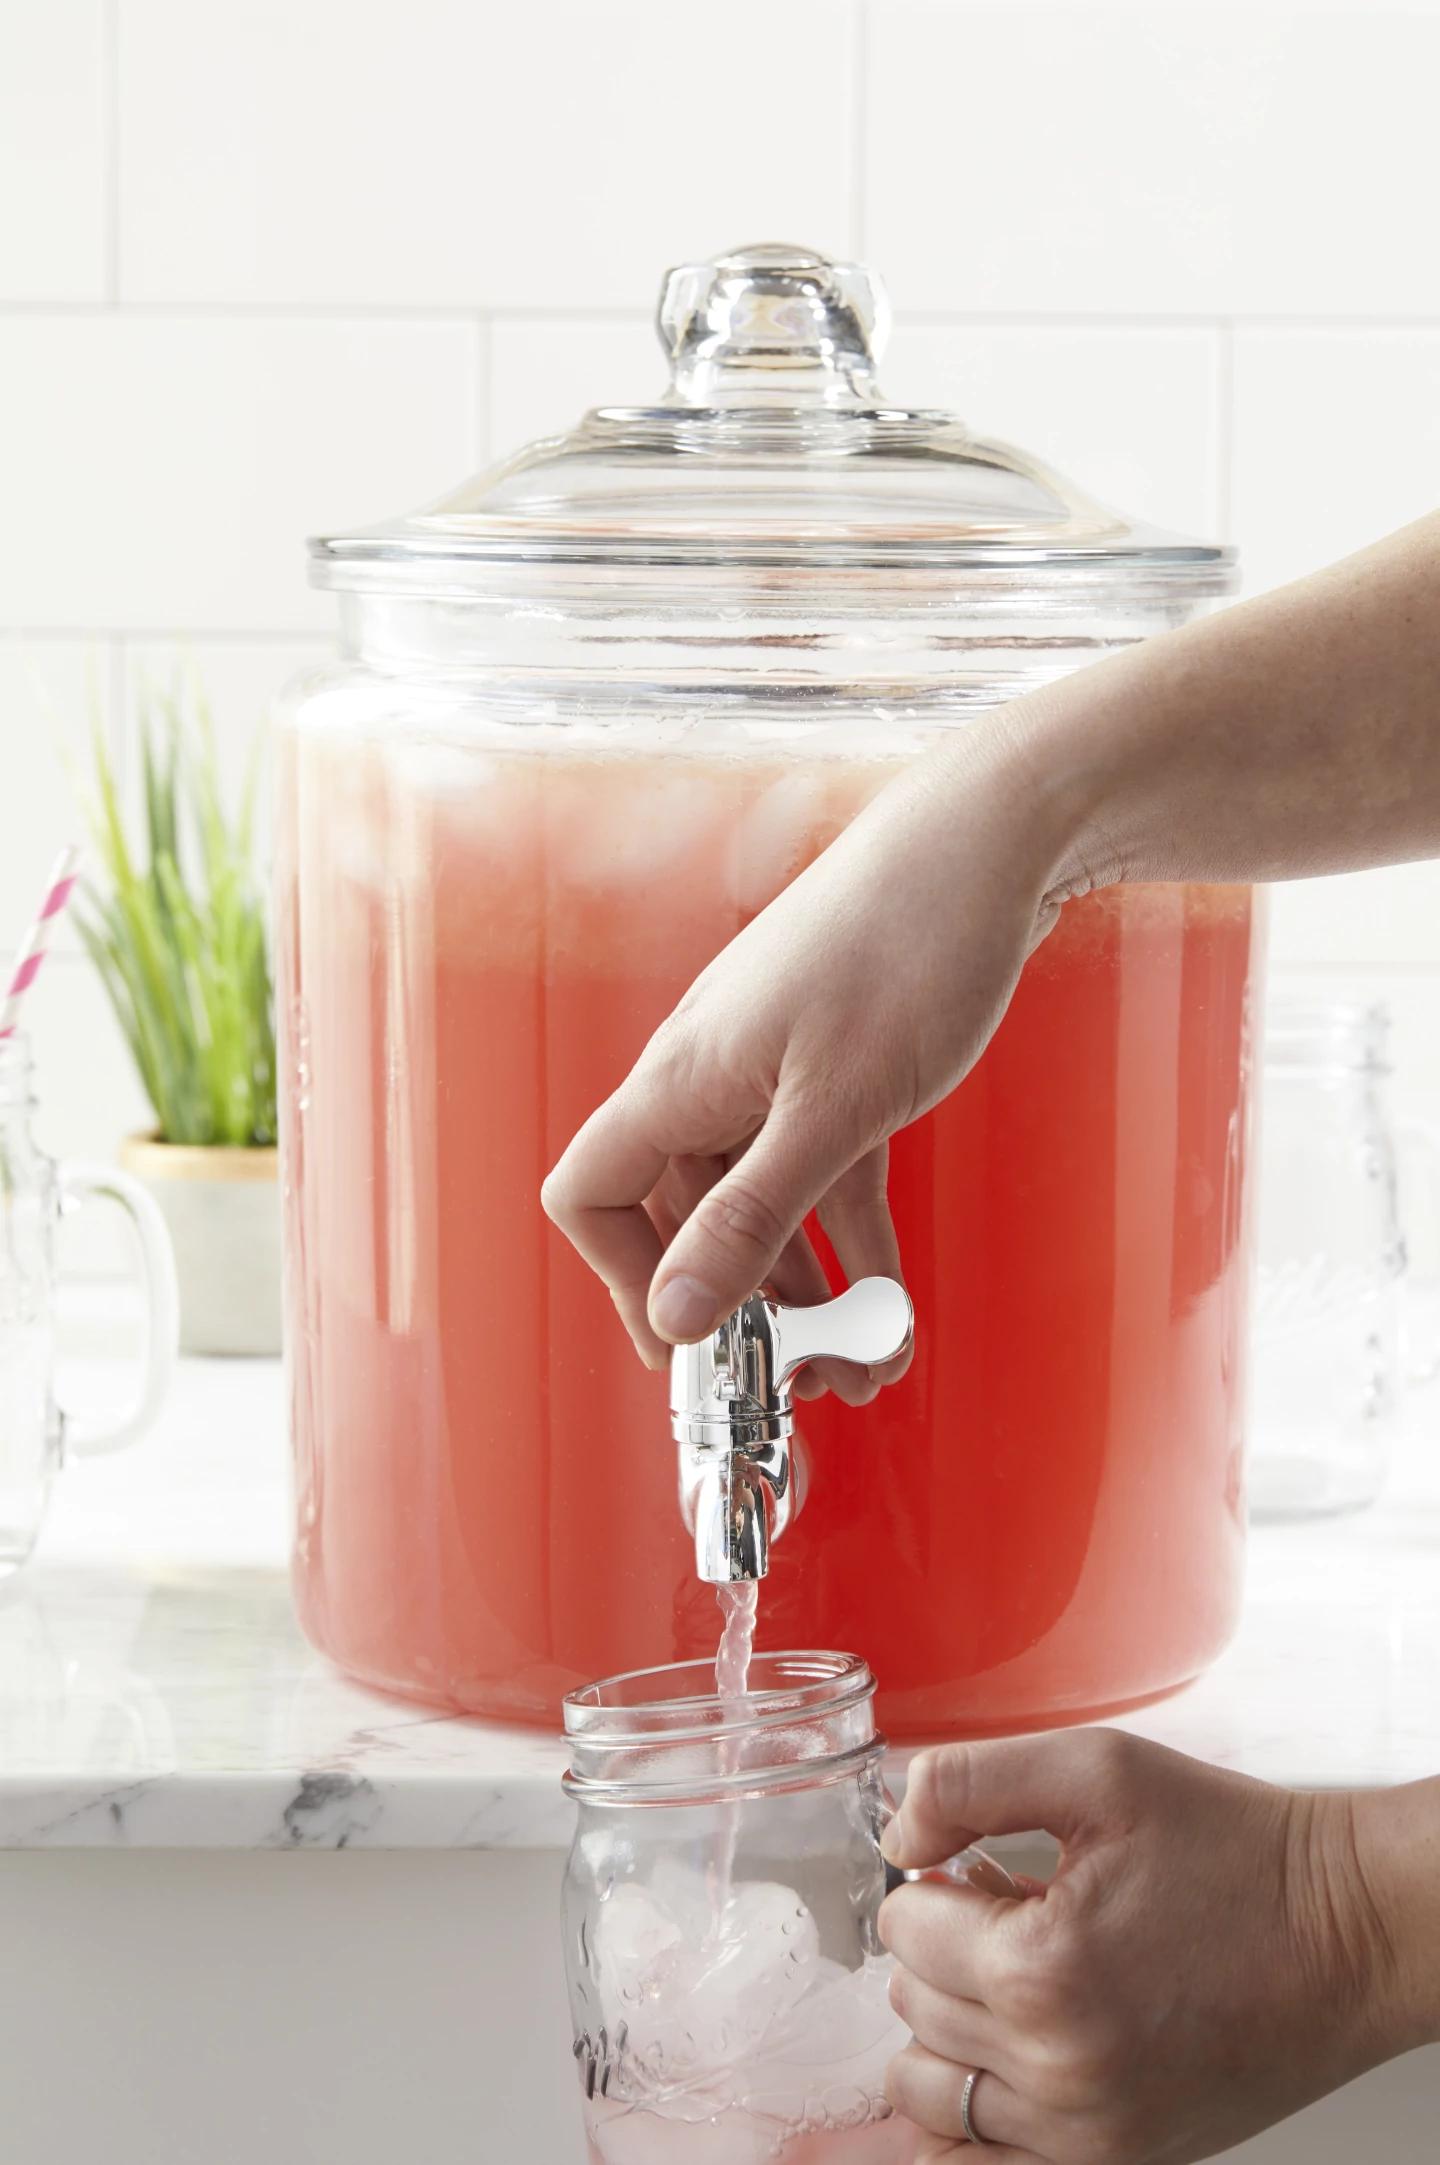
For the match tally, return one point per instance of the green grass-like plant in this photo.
(180, 937)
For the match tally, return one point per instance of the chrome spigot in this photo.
(733, 1418)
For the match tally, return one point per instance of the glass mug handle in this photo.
(972, 1867)
(91, 1438)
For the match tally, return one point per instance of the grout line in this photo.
(359, 312)
(579, 312)
(1040, 319)
(110, 128)
(291, 311)
(161, 635)
(859, 125)
(1378, 320)
(1225, 432)
(570, 312)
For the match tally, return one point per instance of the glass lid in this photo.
(774, 446)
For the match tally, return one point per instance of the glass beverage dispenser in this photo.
(592, 713)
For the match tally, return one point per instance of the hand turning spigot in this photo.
(732, 1415)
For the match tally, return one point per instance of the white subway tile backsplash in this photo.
(50, 690)
(356, 247)
(1132, 416)
(53, 219)
(1337, 441)
(238, 682)
(1385, 919)
(53, 690)
(470, 152)
(1233, 157)
(162, 471)
(87, 1089)
(545, 371)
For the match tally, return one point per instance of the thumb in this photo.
(1068, 1786)
(732, 1239)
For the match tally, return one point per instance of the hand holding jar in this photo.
(1212, 1954)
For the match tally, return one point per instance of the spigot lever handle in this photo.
(872, 1322)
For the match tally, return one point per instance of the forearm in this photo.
(1293, 735)
(1212, 1954)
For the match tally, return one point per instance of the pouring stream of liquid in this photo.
(738, 1602)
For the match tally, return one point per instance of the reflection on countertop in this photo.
(168, 1708)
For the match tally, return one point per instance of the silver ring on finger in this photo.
(966, 2095)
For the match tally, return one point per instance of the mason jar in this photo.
(728, 1988)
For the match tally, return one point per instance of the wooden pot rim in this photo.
(150, 1159)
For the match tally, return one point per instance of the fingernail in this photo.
(683, 1308)
(892, 1841)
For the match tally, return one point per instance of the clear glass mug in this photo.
(1329, 1359)
(35, 1433)
(728, 1989)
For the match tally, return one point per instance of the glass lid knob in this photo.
(773, 325)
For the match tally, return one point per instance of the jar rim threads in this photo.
(807, 1720)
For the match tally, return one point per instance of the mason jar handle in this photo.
(972, 1867)
(92, 1438)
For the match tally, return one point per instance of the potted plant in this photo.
(178, 934)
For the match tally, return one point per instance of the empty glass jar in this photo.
(34, 1432)
(1326, 1365)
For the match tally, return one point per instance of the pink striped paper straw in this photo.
(37, 939)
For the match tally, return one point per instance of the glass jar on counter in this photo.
(591, 714)
(36, 1435)
(1327, 1355)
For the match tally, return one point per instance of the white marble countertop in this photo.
(155, 1692)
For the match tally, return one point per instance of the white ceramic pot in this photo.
(222, 1207)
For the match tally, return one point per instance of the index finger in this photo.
(596, 1195)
